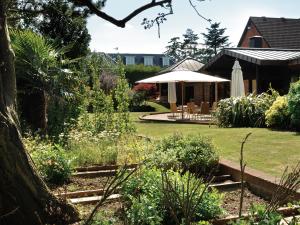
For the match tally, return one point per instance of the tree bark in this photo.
(24, 197)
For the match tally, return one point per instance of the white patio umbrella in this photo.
(182, 77)
(172, 92)
(237, 82)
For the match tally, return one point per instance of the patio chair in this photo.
(204, 110)
(192, 110)
(214, 107)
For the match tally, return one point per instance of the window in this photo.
(129, 60)
(148, 60)
(165, 61)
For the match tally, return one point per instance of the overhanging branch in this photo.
(121, 23)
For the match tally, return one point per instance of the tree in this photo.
(215, 39)
(174, 49)
(189, 47)
(66, 26)
(25, 199)
(59, 20)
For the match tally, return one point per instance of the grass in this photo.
(266, 150)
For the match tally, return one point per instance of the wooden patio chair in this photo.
(192, 110)
(204, 110)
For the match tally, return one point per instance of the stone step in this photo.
(93, 199)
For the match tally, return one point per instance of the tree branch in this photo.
(198, 13)
(121, 23)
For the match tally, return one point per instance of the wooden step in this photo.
(92, 174)
(98, 173)
(93, 199)
(221, 178)
(227, 186)
(103, 167)
(87, 193)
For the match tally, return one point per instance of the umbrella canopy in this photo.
(182, 76)
(237, 81)
(172, 92)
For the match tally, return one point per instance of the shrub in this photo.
(146, 203)
(194, 153)
(134, 73)
(149, 90)
(294, 104)
(278, 115)
(138, 103)
(248, 111)
(53, 164)
(87, 148)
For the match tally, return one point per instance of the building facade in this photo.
(145, 59)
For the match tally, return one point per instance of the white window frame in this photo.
(148, 60)
(130, 60)
(165, 61)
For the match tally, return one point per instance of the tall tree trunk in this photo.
(24, 197)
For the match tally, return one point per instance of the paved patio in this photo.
(170, 117)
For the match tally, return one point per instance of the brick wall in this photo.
(250, 33)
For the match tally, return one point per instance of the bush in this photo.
(146, 203)
(248, 111)
(87, 148)
(53, 164)
(149, 90)
(134, 73)
(294, 104)
(194, 153)
(278, 115)
(138, 103)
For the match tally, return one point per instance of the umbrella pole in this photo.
(182, 100)
(216, 91)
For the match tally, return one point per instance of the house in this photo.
(269, 54)
(146, 59)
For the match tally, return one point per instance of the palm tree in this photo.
(38, 72)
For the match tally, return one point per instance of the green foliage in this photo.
(278, 115)
(53, 164)
(121, 96)
(188, 47)
(193, 153)
(134, 73)
(88, 148)
(294, 104)
(214, 38)
(260, 216)
(59, 20)
(41, 72)
(146, 204)
(248, 111)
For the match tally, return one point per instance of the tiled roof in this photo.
(278, 32)
(185, 64)
(258, 56)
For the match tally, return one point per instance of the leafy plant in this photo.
(146, 203)
(278, 115)
(294, 104)
(193, 153)
(53, 164)
(248, 111)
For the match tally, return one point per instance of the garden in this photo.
(96, 154)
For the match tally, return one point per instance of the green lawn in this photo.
(266, 150)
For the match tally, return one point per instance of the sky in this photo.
(232, 14)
